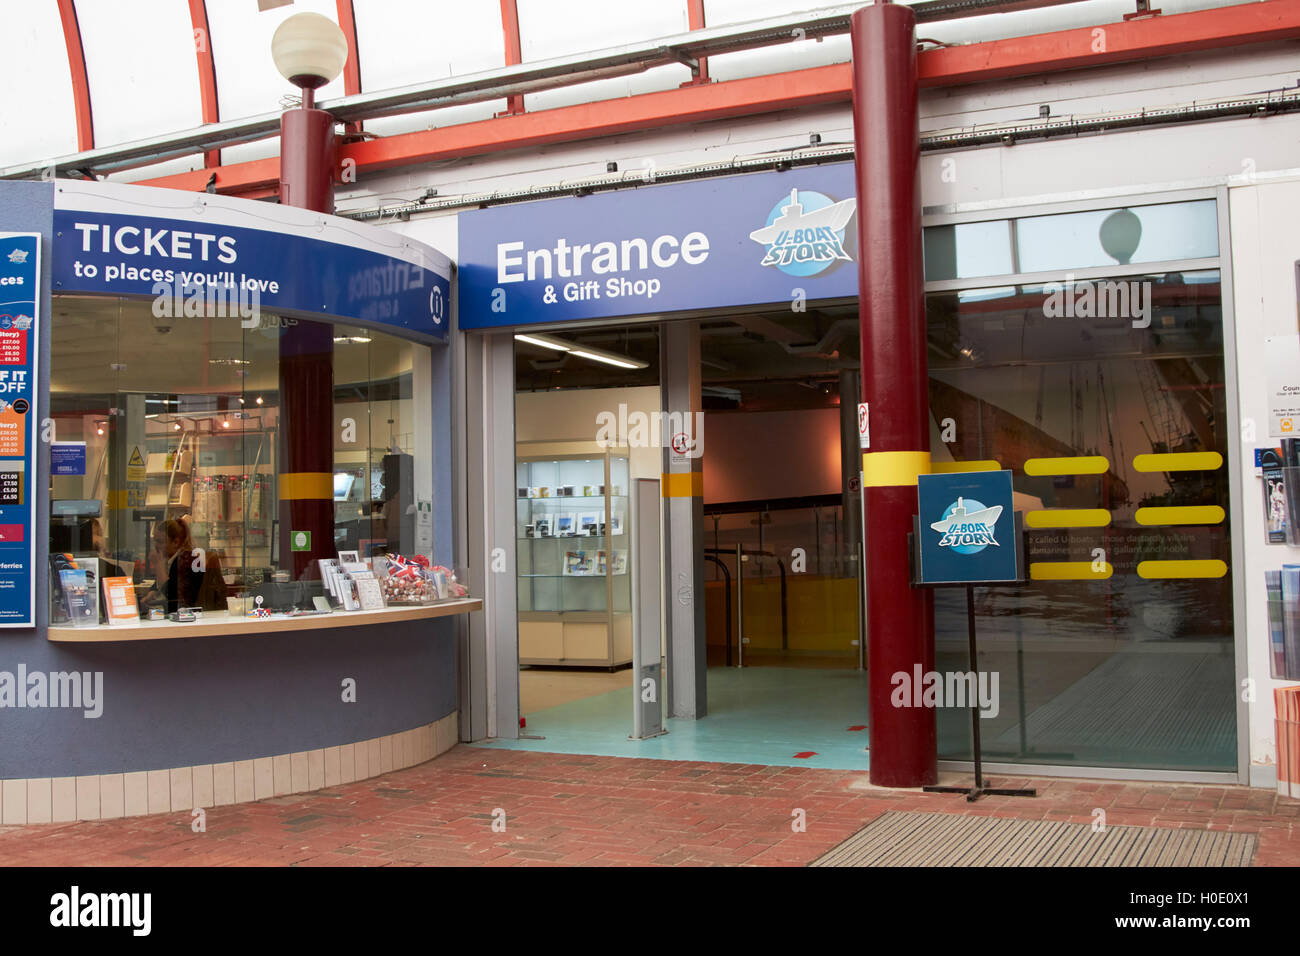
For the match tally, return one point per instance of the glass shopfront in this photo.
(1106, 397)
(184, 430)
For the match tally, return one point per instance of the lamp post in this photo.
(309, 51)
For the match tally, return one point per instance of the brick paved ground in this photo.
(566, 809)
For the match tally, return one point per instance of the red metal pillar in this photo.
(900, 619)
(308, 154)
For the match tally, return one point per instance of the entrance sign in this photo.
(20, 277)
(967, 529)
(755, 239)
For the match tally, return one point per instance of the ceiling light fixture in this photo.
(582, 351)
(609, 359)
(545, 342)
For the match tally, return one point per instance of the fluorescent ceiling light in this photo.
(585, 351)
(544, 341)
(609, 359)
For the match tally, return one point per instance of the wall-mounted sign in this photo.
(213, 255)
(135, 465)
(1282, 379)
(967, 528)
(67, 458)
(20, 272)
(775, 238)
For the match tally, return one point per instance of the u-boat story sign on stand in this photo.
(968, 533)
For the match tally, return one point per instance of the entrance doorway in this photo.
(792, 692)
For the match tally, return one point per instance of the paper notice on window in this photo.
(1282, 378)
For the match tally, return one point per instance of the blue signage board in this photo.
(20, 276)
(67, 458)
(231, 268)
(967, 528)
(776, 238)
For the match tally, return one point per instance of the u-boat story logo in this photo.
(804, 234)
(967, 526)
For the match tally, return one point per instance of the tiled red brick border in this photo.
(606, 811)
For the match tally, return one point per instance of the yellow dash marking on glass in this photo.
(1067, 571)
(1082, 465)
(950, 467)
(1180, 461)
(1067, 518)
(1182, 569)
(1190, 514)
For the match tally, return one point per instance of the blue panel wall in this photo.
(174, 703)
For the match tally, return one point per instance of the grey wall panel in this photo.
(209, 700)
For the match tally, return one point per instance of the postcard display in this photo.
(1280, 471)
(574, 586)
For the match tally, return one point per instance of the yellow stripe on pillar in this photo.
(893, 469)
(306, 485)
(682, 484)
(117, 500)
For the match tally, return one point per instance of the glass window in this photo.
(1163, 232)
(192, 454)
(1135, 670)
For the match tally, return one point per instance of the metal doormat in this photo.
(896, 838)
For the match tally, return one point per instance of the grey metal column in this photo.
(683, 492)
(647, 606)
(851, 507)
(490, 663)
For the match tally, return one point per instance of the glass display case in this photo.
(575, 591)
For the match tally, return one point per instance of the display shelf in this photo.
(575, 619)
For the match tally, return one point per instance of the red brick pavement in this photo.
(607, 811)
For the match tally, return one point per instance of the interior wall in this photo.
(758, 455)
(570, 415)
(1265, 249)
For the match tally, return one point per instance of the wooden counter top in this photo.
(221, 624)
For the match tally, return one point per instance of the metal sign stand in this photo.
(977, 791)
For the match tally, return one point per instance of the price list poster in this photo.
(20, 273)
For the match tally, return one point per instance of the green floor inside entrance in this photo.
(759, 715)
(1133, 709)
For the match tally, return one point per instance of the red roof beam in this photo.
(77, 69)
(210, 110)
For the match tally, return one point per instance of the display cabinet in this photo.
(574, 584)
(222, 480)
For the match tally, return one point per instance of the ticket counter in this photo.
(237, 435)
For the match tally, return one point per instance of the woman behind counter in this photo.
(185, 575)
